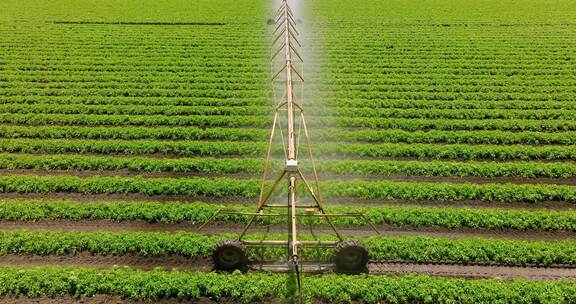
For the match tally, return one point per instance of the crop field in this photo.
(124, 125)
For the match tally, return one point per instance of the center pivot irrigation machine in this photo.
(349, 256)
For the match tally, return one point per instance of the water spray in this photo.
(349, 256)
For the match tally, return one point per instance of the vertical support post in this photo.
(293, 235)
(289, 89)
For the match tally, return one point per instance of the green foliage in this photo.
(407, 248)
(255, 287)
(198, 212)
(249, 188)
(251, 165)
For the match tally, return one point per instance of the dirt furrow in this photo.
(86, 259)
(474, 271)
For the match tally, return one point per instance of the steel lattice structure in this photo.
(290, 124)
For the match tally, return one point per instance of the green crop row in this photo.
(447, 104)
(451, 124)
(262, 287)
(134, 120)
(132, 132)
(212, 148)
(132, 147)
(206, 101)
(263, 121)
(449, 151)
(251, 165)
(113, 80)
(220, 187)
(198, 212)
(376, 136)
(261, 110)
(127, 100)
(147, 92)
(135, 164)
(134, 110)
(455, 114)
(447, 168)
(449, 137)
(414, 95)
(450, 192)
(153, 83)
(410, 249)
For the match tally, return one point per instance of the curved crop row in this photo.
(134, 120)
(413, 249)
(449, 124)
(450, 192)
(219, 187)
(450, 104)
(132, 147)
(252, 165)
(421, 151)
(450, 151)
(128, 100)
(261, 110)
(198, 212)
(130, 132)
(372, 136)
(134, 110)
(455, 113)
(261, 287)
(449, 137)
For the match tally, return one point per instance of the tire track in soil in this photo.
(473, 271)
(226, 227)
(204, 264)
(86, 259)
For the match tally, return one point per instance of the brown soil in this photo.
(474, 271)
(85, 259)
(173, 262)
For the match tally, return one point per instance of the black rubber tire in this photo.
(350, 256)
(230, 255)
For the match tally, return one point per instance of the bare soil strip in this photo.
(474, 271)
(227, 227)
(85, 259)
